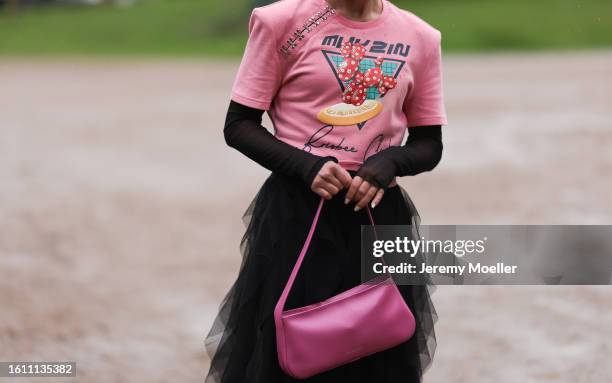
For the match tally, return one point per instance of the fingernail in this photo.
(346, 201)
(357, 208)
(373, 205)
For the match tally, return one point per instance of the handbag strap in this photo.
(280, 305)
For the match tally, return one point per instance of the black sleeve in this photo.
(421, 152)
(243, 131)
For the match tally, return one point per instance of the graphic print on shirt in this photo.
(363, 79)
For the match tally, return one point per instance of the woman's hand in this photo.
(330, 180)
(363, 192)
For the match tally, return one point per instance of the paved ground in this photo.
(120, 213)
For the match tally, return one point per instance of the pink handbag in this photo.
(366, 319)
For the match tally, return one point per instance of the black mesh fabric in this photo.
(421, 152)
(243, 131)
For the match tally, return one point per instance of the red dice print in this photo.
(348, 69)
(373, 76)
(354, 94)
(356, 91)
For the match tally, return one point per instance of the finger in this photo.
(355, 184)
(331, 178)
(323, 193)
(363, 202)
(363, 189)
(330, 188)
(377, 198)
(342, 175)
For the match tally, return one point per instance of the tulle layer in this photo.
(241, 343)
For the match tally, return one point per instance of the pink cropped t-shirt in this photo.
(292, 67)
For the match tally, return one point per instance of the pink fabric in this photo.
(294, 87)
(366, 319)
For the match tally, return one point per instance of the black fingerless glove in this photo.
(421, 152)
(244, 132)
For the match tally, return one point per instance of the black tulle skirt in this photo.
(242, 344)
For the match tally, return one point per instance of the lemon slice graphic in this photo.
(348, 114)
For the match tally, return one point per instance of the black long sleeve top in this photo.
(244, 132)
